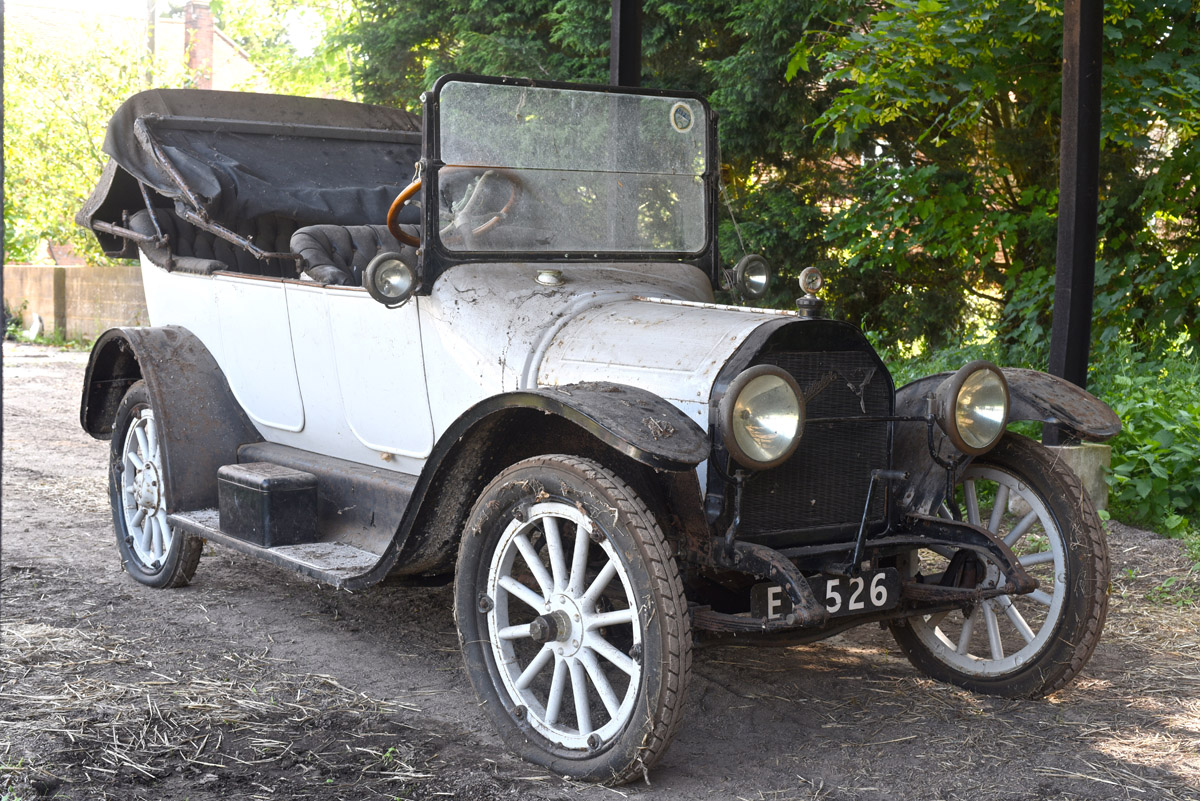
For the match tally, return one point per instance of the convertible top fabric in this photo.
(235, 156)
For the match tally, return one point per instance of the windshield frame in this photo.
(436, 258)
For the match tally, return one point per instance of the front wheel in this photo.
(153, 552)
(1020, 645)
(573, 621)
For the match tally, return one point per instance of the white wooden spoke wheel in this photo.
(151, 550)
(572, 617)
(1020, 645)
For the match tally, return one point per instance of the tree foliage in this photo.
(292, 42)
(57, 103)
(955, 105)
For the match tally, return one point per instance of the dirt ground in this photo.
(257, 684)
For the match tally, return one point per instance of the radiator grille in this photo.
(825, 482)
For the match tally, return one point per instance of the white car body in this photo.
(334, 372)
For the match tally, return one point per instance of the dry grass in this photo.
(83, 709)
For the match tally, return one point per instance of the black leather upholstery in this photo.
(338, 254)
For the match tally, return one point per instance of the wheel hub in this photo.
(570, 620)
(553, 627)
(146, 488)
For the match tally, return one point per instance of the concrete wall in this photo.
(80, 301)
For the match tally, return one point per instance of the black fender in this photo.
(634, 422)
(201, 423)
(1033, 395)
(597, 420)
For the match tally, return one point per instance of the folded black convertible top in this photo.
(234, 156)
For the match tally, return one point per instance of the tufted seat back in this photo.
(338, 254)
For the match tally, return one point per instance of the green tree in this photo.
(57, 103)
(953, 108)
(293, 42)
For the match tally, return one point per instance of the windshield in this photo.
(535, 169)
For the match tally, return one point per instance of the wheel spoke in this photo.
(535, 667)
(1042, 597)
(151, 439)
(614, 618)
(138, 517)
(1039, 558)
(964, 637)
(135, 460)
(583, 715)
(993, 630)
(606, 650)
(161, 517)
(523, 593)
(936, 619)
(599, 584)
(579, 559)
(1014, 614)
(558, 565)
(558, 686)
(607, 696)
(147, 530)
(159, 539)
(143, 443)
(545, 583)
(972, 499)
(998, 509)
(1020, 528)
(514, 632)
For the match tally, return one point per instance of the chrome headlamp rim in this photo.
(390, 279)
(946, 406)
(725, 420)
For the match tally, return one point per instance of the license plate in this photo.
(869, 591)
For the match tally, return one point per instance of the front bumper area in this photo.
(918, 594)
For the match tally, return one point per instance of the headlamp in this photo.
(762, 417)
(971, 406)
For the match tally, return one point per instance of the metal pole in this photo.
(1078, 185)
(625, 44)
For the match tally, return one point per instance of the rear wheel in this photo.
(1020, 645)
(152, 551)
(572, 618)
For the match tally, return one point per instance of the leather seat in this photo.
(339, 254)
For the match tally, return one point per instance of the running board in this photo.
(329, 562)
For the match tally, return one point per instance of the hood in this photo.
(652, 326)
(672, 348)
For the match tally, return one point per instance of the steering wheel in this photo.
(466, 209)
(477, 195)
(393, 225)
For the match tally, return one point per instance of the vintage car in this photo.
(482, 344)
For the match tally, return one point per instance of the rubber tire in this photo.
(666, 639)
(1087, 579)
(182, 558)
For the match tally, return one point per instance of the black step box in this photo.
(267, 504)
